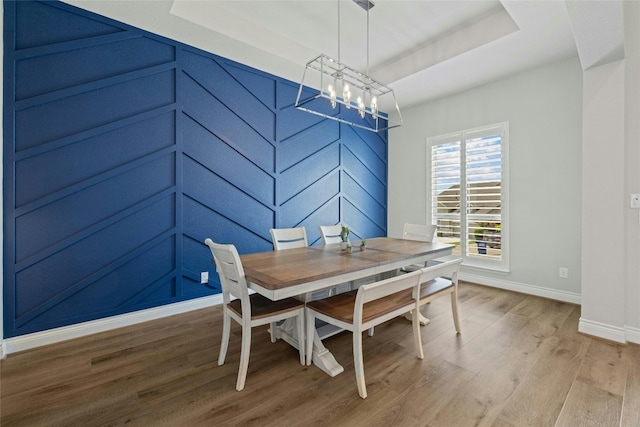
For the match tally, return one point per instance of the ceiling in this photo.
(422, 49)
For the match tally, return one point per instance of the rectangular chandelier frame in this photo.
(329, 71)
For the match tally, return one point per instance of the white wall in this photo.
(604, 202)
(544, 110)
(632, 167)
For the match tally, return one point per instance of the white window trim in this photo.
(503, 128)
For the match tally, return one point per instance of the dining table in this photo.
(302, 272)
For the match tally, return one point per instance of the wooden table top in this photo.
(279, 274)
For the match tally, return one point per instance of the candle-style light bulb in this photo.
(332, 96)
(346, 94)
(374, 107)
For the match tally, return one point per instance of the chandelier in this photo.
(333, 90)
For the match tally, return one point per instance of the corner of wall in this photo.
(633, 334)
(602, 330)
(603, 183)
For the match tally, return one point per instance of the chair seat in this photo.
(264, 307)
(431, 288)
(341, 306)
(435, 286)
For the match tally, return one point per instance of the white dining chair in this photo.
(331, 234)
(288, 238)
(360, 310)
(248, 310)
(420, 232)
(283, 239)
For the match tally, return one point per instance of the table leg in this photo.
(423, 320)
(322, 357)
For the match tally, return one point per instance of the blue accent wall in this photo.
(124, 150)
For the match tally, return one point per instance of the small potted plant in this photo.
(363, 244)
(344, 236)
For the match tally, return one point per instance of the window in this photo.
(467, 197)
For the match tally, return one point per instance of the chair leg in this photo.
(454, 309)
(272, 331)
(301, 342)
(417, 338)
(311, 330)
(244, 356)
(372, 330)
(359, 364)
(226, 331)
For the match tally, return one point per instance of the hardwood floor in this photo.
(518, 362)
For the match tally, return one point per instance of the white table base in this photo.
(322, 357)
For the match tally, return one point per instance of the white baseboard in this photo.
(539, 291)
(633, 334)
(602, 330)
(37, 339)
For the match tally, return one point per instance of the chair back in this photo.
(448, 269)
(331, 234)
(421, 232)
(384, 288)
(231, 272)
(288, 238)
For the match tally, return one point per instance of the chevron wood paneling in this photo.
(124, 150)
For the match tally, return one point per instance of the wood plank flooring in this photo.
(518, 362)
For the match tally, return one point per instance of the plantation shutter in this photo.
(483, 193)
(467, 191)
(445, 187)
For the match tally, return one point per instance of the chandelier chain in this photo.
(367, 41)
(338, 30)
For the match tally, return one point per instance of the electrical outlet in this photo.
(564, 272)
(204, 277)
